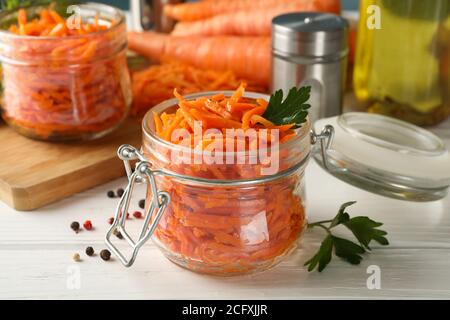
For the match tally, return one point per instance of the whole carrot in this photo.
(205, 9)
(251, 22)
(247, 57)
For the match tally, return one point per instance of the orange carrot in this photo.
(46, 17)
(156, 83)
(50, 23)
(251, 22)
(210, 113)
(247, 116)
(205, 9)
(22, 16)
(158, 123)
(215, 122)
(247, 57)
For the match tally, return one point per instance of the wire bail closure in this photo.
(325, 139)
(154, 212)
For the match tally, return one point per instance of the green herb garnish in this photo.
(60, 6)
(364, 229)
(32, 7)
(292, 110)
(13, 4)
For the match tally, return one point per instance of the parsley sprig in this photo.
(292, 110)
(13, 4)
(60, 6)
(364, 229)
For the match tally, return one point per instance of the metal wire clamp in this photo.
(154, 212)
(325, 139)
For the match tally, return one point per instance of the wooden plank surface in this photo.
(36, 173)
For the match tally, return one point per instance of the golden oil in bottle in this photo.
(402, 63)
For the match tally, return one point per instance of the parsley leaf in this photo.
(342, 216)
(292, 110)
(13, 4)
(323, 256)
(60, 6)
(364, 229)
(348, 250)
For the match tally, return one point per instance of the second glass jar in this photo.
(66, 88)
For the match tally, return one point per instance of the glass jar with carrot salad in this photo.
(65, 75)
(232, 193)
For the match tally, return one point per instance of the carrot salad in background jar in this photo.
(65, 77)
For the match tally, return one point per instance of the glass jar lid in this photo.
(386, 156)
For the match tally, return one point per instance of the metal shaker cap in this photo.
(310, 34)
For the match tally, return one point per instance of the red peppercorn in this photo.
(127, 217)
(87, 225)
(111, 220)
(137, 214)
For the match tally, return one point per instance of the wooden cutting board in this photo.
(34, 173)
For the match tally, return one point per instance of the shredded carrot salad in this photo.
(62, 83)
(156, 83)
(219, 112)
(50, 23)
(231, 230)
(222, 229)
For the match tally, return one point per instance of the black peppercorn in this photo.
(105, 255)
(75, 226)
(142, 204)
(110, 194)
(90, 251)
(117, 234)
(120, 192)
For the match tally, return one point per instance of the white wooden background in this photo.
(36, 251)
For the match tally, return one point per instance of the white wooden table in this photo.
(36, 250)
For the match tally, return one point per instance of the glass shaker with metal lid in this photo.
(311, 49)
(149, 15)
